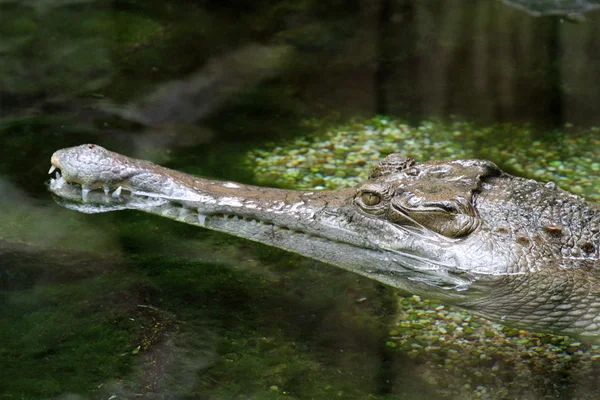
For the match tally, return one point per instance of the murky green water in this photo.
(125, 305)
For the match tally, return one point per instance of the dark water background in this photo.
(125, 305)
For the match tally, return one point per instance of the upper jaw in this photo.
(69, 186)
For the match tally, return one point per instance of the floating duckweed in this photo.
(485, 353)
(343, 156)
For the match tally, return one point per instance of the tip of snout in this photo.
(81, 149)
(54, 159)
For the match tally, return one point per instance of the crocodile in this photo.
(513, 250)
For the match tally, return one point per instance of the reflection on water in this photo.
(42, 59)
(554, 7)
(125, 305)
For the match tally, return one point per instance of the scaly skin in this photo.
(510, 249)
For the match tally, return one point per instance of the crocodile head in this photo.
(461, 231)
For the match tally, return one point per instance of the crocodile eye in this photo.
(370, 199)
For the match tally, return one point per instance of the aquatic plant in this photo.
(342, 156)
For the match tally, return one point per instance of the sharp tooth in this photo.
(106, 189)
(58, 175)
(117, 193)
(201, 219)
(85, 189)
(60, 181)
(235, 218)
(52, 168)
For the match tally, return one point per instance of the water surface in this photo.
(126, 305)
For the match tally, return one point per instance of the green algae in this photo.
(264, 331)
(245, 316)
(277, 327)
(63, 338)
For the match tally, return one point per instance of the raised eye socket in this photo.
(370, 199)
